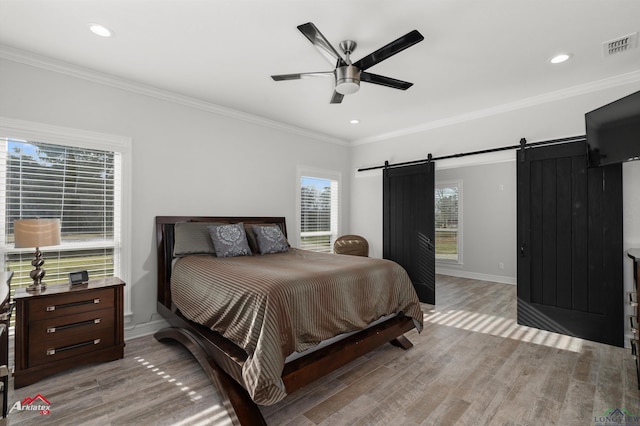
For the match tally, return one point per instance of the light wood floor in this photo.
(472, 365)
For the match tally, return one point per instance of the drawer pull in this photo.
(53, 351)
(633, 298)
(51, 308)
(76, 324)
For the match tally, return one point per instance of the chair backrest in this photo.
(354, 245)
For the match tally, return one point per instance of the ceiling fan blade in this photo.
(389, 50)
(336, 98)
(314, 35)
(298, 76)
(385, 81)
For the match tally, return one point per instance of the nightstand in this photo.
(62, 327)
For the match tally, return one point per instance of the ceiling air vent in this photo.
(619, 45)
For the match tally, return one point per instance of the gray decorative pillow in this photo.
(270, 239)
(192, 238)
(229, 240)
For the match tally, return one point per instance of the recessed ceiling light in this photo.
(560, 58)
(99, 30)
(354, 121)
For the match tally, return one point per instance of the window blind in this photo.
(81, 187)
(318, 213)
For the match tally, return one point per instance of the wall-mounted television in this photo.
(613, 132)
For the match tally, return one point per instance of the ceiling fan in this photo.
(347, 74)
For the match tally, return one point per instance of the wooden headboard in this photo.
(165, 240)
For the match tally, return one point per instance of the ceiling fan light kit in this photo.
(348, 75)
(347, 80)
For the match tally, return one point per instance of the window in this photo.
(80, 185)
(448, 202)
(318, 212)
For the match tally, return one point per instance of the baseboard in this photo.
(144, 329)
(476, 276)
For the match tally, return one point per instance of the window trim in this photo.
(321, 174)
(39, 132)
(458, 183)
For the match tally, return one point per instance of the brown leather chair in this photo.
(354, 245)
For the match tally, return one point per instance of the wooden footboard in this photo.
(239, 406)
(304, 370)
(222, 361)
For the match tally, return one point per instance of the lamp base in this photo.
(38, 273)
(36, 288)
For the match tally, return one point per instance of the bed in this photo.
(264, 325)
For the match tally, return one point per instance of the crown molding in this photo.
(569, 92)
(50, 64)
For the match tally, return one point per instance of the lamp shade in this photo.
(36, 232)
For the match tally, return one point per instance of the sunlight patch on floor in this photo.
(214, 415)
(502, 327)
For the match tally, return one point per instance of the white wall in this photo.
(192, 161)
(559, 117)
(186, 161)
(555, 119)
(488, 221)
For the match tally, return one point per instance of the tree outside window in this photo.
(447, 221)
(79, 186)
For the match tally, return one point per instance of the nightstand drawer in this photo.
(42, 353)
(69, 329)
(71, 303)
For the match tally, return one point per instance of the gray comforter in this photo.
(276, 304)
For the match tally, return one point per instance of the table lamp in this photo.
(36, 233)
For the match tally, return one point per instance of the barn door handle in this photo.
(522, 251)
(430, 243)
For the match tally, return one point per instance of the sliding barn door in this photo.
(570, 242)
(409, 227)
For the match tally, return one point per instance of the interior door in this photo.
(409, 226)
(570, 241)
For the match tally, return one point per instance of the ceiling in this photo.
(476, 54)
